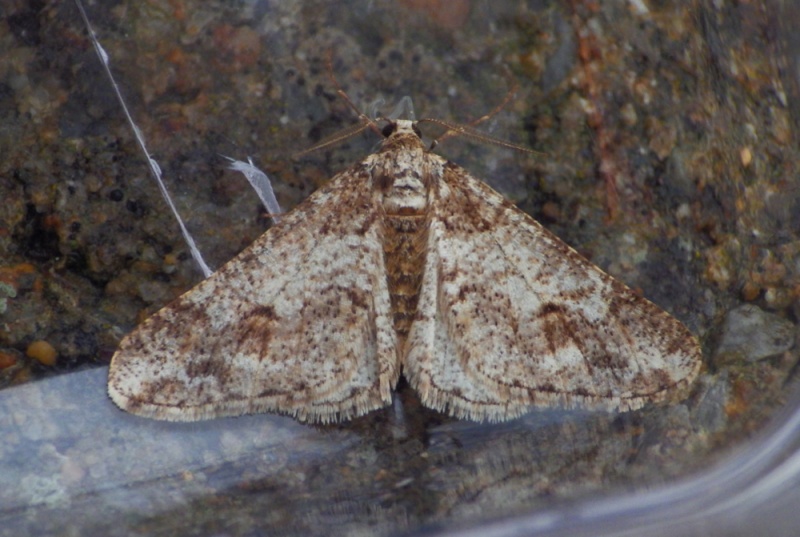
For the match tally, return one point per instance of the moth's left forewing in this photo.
(298, 323)
(510, 317)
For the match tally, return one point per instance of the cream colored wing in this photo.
(298, 323)
(511, 318)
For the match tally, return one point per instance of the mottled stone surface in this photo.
(669, 133)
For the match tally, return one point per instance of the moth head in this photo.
(401, 126)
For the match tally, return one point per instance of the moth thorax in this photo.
(405, 195)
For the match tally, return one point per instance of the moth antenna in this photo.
(337, 137)
(464, 130)
(365, 121)
(494, 111)
(340, 92)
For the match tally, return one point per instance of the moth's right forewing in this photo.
(511, 318)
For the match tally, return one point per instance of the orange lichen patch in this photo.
(7, 360)
(242, 45)
(176, 56)
(174, 124)
(145, 267)
(750, 291)
(11, 274)
(52, 222)
(121, 284)
(381, 475)
(552, 211)
(170, 263)
(739, 401)
(593, 85)
(449, 14)
(178, 9)
(42, 351)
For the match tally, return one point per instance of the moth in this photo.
(403, 264)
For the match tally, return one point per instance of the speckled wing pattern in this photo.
(510, 318)
(403, 263)
(298, 323)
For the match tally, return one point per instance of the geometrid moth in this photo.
(403, 264)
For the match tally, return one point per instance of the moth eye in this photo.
(389, 129)
(416, 130)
